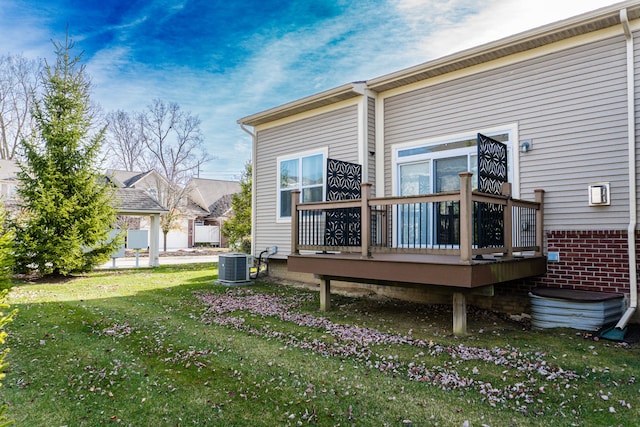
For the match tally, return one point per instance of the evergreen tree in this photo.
(4, 319)
(6, 250)
(67, 205)
(6, 263)
(238, 228)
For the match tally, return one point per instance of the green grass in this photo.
(141, 348)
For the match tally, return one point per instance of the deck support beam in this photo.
(459, 313)
(325, 294)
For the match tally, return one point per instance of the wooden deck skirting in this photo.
(458, 269)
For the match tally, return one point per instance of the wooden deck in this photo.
(436, 273)
(396, 241)
(417, 269)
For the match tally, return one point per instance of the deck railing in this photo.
(464, 223)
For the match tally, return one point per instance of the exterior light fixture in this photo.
(599, 194)
(525, 146)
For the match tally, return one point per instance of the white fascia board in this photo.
(311, 113)
(302, 105)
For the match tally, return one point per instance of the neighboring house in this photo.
(205, 206)
(154, 186)
(8, 182)
(563, 98)
(149, 182)
(211, 199)
(134, 202)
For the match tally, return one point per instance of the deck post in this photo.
(466, 217)
(325, 294)
(459, 314)
(507, 221)
(539, 221)
(365, 220)
(295, 199)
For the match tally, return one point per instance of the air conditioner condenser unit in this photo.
(233, 268)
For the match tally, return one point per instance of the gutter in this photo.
(328, 97)
(253, 184)
(631, 128)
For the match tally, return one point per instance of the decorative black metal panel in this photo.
(492, 165)
(492, 173)
(343, 180)
(343, 183)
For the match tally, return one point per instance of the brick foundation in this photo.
(590, 260)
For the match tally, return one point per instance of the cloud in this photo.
(226, 60)
(476, 23)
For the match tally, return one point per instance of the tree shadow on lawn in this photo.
(21, 280)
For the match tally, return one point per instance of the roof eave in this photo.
(141, 211)
(579, 25)
(328, 97)
(596, 20)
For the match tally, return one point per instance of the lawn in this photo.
(170, 347)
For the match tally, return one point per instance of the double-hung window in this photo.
(304, 172)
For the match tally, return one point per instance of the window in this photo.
(8, 191)
(304, 172)
(425, 168)
(433, 167)
(153, 193)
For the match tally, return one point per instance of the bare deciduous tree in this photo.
(163, 138)
(125, 142)
(173, 140)
(19, 82)
(175, 150)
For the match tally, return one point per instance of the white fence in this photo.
(206, 234)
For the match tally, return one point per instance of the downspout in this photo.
(631, 130)
(253, 185)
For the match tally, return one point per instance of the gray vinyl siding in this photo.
(571, 104)
(371, 143)
(337, 130)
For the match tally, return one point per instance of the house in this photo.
(563, 101)
(213, 199)
(8, 182)
(154, 186)
(131, 201)
(204, 204)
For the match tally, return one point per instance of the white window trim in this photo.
(299, 155)
(511, 129)
(512, 144)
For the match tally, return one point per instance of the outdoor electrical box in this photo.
(599, 194)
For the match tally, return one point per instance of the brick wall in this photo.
(592, 260)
